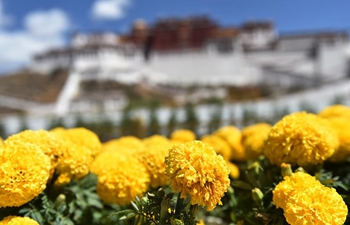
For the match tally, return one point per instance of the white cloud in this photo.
(109, 9)
(47, 23)
(42, 30)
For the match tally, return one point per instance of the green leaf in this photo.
(123, 213)
(37, 217)
(95, 202)
(263, 180)
(241, 184)
(133, 204)
(252, 180)
(252, 222)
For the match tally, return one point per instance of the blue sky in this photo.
(28, 27)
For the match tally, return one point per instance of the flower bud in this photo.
(257, 195)
(286, 169)
(61, 198)
(300, 169)
(255, 167)
(176, 222)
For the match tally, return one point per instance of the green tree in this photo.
(232, 120)
(126, 122)
(23, 123)
(172, 123)
(79, 122)
(215, 118)
(308, 107)
(278, 114)
(104, 129)
(2, 130)
(138, 128)
(191, 121)
(55, 122)
(153, 125)
(249, 117)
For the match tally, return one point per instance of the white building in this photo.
(257, 54)
(253, 54)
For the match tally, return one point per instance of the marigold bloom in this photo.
(300, 138)
(297, 182)
(183, 135)
(81, 136)
(155, 139)
(201, 222)
(129, 142)
(234, 170)
(196, 170)
(152, 157)
(220, 145)
(48, 143)
(123, 179)
(253, 138)
(17, 220)
(341, 125)
(335, 111)
(233, 136)
(24, 172)
(66, 158)
(74, 163)
(102, 161)
(306, 201)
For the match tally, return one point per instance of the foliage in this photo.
(191, 120)
(171, 126)
(153, 126)
(76, 203)
(215, 118)
(249, 199)
(160, 208)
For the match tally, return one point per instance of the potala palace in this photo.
(198, 51)
(179, 52)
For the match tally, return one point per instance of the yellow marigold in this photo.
(152, 157)
(234, 170)
(62, 179)
(253, 138)
(106, 157)
(17, 220)
(1, 141)
(174, 142)
(335, 111)
(66, 158)
(220, 145)
(196, 170)
(307, 201)
(155, 139)
(24, 172)
(127, 141)
(297, 182)
(103, 160)
(341, 125)
(74, 163)
(300, 138)
(201, 222)
(81, 136)
(48, 143)
(122, 180)
(233, 136)
(183, 135)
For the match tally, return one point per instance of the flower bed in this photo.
(294, 172)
